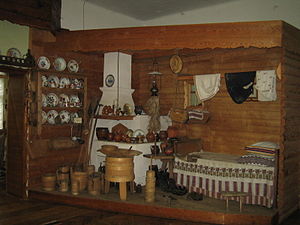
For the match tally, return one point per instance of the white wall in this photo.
(233, 11)
(95, 17)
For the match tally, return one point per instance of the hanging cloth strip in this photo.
(207, 85)
(266, 85)
(240, 85)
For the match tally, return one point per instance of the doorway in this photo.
(3, 130)
(14, 152)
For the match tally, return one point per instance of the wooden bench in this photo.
(228, 194)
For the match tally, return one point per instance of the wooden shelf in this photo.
(108, 117)
(65, 73)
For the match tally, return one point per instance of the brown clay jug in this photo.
(150, 137)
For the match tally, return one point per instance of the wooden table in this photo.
(167, 161)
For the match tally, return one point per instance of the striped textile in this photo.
(211, 177)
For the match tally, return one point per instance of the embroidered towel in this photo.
(266, 85)
(207, 85)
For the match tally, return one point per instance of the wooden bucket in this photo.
(63, 173)
(90, 169)
(81, 178)
(119, 169)
(94, 184)
(49, 181)
(63, 185)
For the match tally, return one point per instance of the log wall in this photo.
(290, 169)
(43, 160)
(232, 126)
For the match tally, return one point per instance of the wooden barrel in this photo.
(63, 185)
(119, 169)
(94, 184)
(48, 181)
(81, 178)
(90, 169)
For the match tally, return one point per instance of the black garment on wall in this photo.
(240, 85)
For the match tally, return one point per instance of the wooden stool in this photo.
(228, 194)
(167, 161)
(122, 188)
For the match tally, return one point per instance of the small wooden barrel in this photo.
(81, 178)
(48, 181)
(64, 185)
(119, 169)
(75, 187)
(90, 169)
(94, 184)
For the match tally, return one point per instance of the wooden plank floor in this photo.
(14, 211)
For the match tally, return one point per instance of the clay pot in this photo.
(150, 136)
(117, 137)
(102, 133)
(110, 137)
(123, 137)
(169, 150)
(154, 149)
(163, 135)
(163, 146)
(138, 109)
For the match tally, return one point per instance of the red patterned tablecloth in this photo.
(213, 173)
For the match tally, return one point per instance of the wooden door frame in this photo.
(11, 71)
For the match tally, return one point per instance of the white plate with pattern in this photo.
(64, 100)
(74, 101)
(44, 100)
(73, 116)
(59, 64)
(51, 116)
(44, 117)
(64, 117)
(73, 66)
(53, 81)
(14, 52)
(64, 82)
(52, 100)
(44, 81)
(43, 63)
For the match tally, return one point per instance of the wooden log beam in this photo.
(200, 36)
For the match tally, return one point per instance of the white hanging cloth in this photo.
(266, 85)
(207, 85)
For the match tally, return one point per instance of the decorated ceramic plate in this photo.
(77, 83)
(176, 64)
(14, 52)
(64, 116)
(59, 64)
(138, 132)
(52, 100)
(64, 100)
(44, 100)
(43, 63)
(44, 117)
(51, 115)
(53, 81)
(73, 116)
(64, 82)
(44, 81)
(73, 66)
(74, 101)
